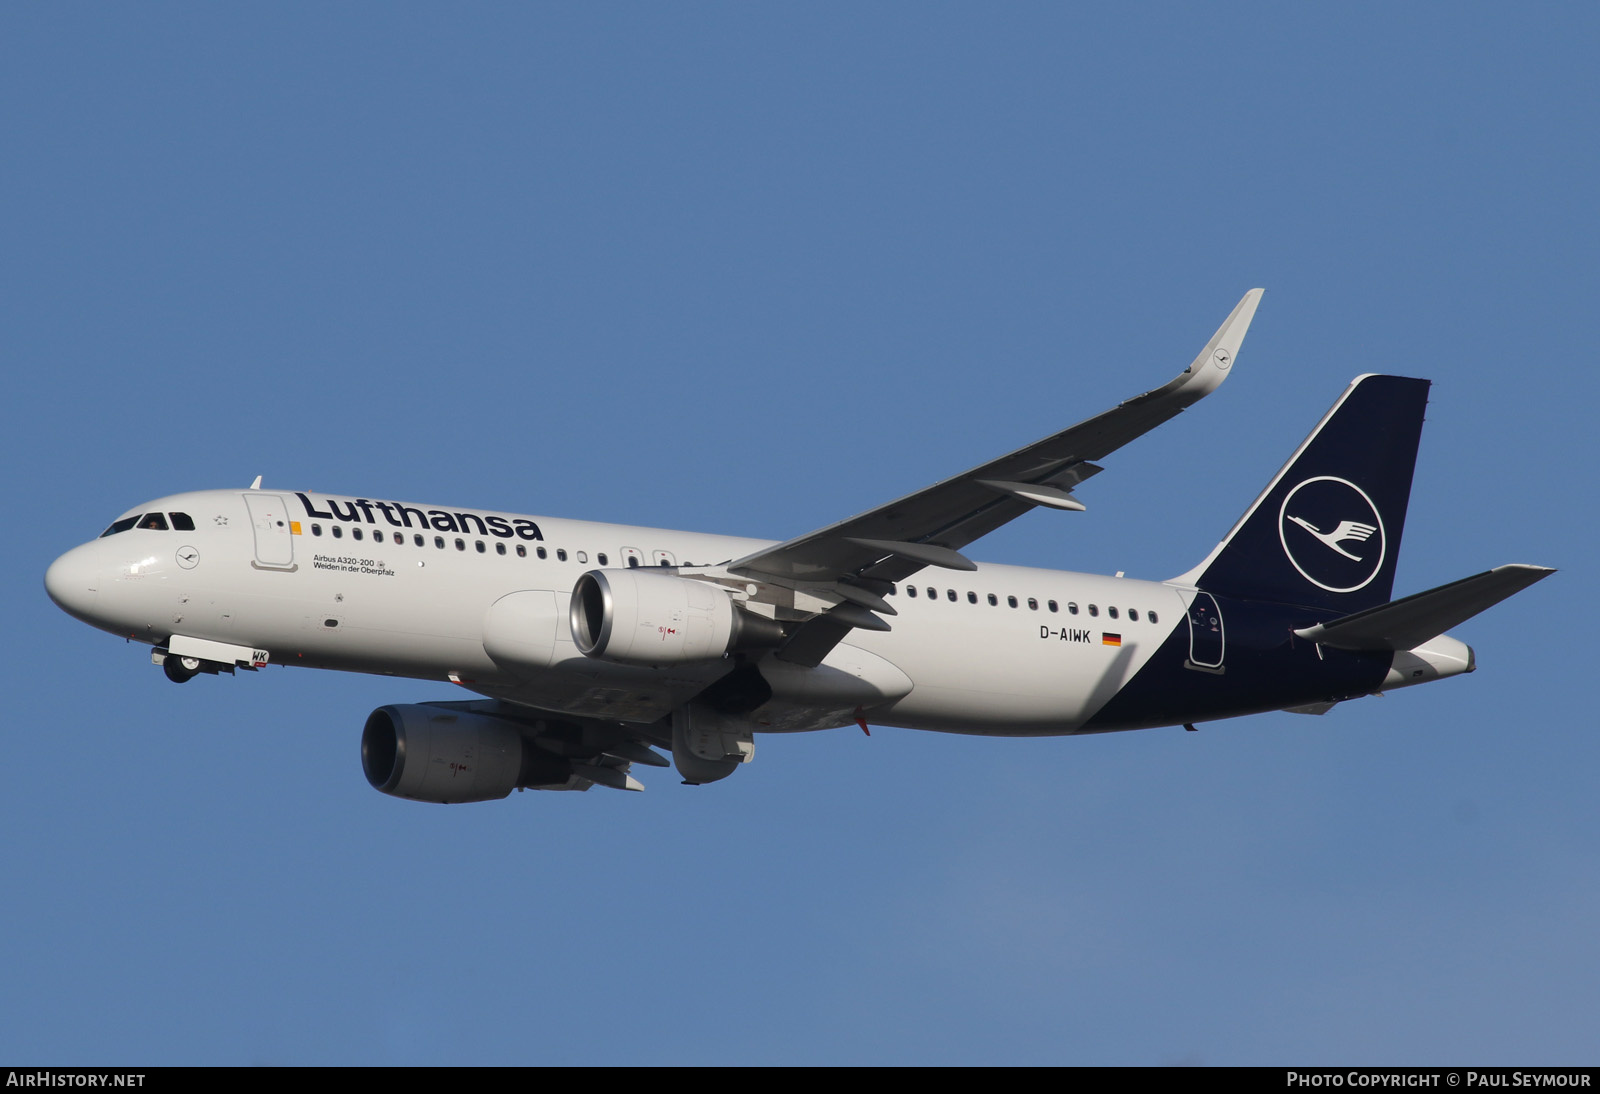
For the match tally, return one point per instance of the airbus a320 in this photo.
(594, 645)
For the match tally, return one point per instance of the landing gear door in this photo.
(1205, 634)
(269, 517)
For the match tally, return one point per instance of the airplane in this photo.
(593, 645)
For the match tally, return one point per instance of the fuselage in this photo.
(444, 593)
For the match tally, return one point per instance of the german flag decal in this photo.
(1109, 639)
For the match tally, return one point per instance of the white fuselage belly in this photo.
(377, 606)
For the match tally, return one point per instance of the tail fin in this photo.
(1326, 531)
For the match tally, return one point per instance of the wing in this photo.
(841, 571)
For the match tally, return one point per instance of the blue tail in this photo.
(1326, 532)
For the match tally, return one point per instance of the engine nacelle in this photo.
(642, 617)
(434, 754)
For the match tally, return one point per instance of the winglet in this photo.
(1207, 371)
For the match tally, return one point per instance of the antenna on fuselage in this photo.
(257, 484)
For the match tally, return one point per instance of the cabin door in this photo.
(1205, 633)
(269, 516)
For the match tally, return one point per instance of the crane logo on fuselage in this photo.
(396, 515)
(1332, 534)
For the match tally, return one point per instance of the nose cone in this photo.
(73, 582)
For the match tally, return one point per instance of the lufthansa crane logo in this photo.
(1332, 533)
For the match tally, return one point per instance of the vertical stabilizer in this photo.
(1326, 532)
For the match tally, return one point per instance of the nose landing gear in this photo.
(180, 670)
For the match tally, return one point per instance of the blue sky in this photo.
(751, 269)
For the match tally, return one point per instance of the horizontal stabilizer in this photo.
(1413, 620)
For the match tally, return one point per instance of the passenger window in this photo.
(499, 548)
(972, 598)
(583, 556)
(316, 529)
(1112, 612)
(181, 522)
(1012, 601)
(951, 595)
(522, 550)
(601, 558)
(911, 590)
(1072, 607)
(1054, 607)
(540, 552)
(119, 526)
(418, 540)
(1093, 610)
(1133, 615)
(438, 541)
(479, 544)
(994, 601)
(338, 531)
(399, 540)
(933, 594)
(1033, 604)
(561, 554)
(356, 532)
(633, 563)
(1152, 617)
(461, 544)
(154, 522)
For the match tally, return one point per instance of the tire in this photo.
(180, 670)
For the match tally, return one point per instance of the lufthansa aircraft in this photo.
(594, 644)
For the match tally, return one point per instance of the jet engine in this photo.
(434, 754)
(642, 617)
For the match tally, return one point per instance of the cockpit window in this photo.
(154, 522)
(181, 522)
(120, 526)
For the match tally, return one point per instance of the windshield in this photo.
(155, 522)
